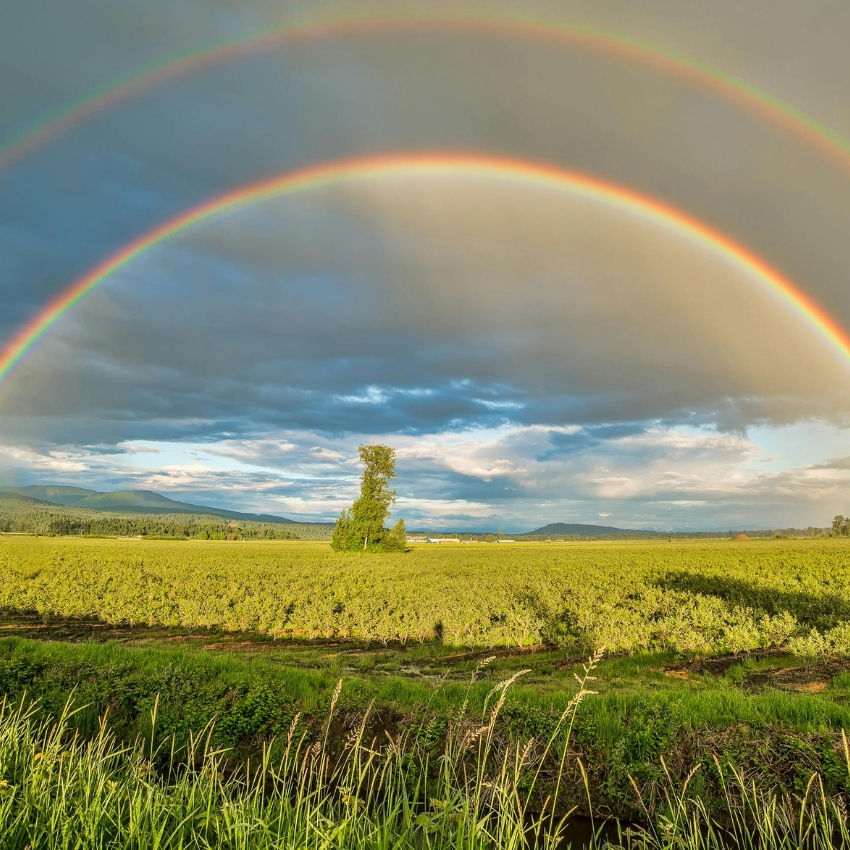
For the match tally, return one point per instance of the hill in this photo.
(132, 501)
(21, 514)
(20, 499)
(563, 529)
(55, 495)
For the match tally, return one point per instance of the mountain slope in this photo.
(55, 494)
(562, 529)
(21, 499)
(132, 501)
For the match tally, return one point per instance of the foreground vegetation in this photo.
(59, 789)
(778, 718)
(707, 597)
(724, 691)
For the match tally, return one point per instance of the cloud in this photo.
(413, 320)
(521, 345)
(838, 463)
(658, 476)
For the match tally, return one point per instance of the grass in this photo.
(639, 714)
(728, 689)
(61, 790)
(410, 677)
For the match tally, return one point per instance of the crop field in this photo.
(705, 598)
(722, 649)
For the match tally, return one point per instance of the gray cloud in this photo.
(410, 308)
(838, 463)
(405, 310)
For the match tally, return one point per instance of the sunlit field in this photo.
(716, 597)
(727, 650)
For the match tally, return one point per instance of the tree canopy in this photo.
(361, 527)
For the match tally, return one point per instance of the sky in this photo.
(534, 353)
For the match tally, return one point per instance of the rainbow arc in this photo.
(719, 82)
(436, 164)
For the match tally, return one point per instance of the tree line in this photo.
(30, 518)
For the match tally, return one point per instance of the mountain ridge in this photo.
(586, 530)
(133, 501)
(149, 502)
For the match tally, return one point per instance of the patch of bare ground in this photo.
(91, 630)
(677, 674)
(498, 652)
(236, 645)
(67, 630)
(811, 677)
(88, 629)
(715, 666)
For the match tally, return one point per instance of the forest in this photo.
(23, 516)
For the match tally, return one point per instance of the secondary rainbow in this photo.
(723, 84)
(430, 164)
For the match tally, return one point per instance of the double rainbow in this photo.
(501, 24)
(436, 164)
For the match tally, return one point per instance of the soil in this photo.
(716, 666)
(813, 677)
(86, 630)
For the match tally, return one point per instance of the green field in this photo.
(714, 597)
(720, 648)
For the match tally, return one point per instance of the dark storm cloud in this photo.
(588, 438)
(404, 312)
(326, 100)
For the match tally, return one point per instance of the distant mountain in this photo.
(57, 495)
(131, 501)
(563, 529)
(8, 495)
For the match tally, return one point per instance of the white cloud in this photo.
(325, 452)
(657, 476)
(372, 395)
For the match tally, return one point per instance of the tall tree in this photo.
(361, 527)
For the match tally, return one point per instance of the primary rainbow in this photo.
(435, 164)
(714, 79)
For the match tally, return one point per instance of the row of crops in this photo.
(699, 597)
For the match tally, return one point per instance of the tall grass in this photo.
(59, 789)
(750, 817)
